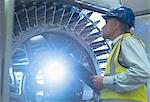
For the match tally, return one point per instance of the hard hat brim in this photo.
(107, 16)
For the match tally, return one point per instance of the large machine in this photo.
(50, 48)
(55, 42)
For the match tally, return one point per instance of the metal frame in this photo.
(6, 18)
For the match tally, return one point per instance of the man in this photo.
(127, 68)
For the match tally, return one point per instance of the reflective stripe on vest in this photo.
(113, 67)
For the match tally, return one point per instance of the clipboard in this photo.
(82, 73)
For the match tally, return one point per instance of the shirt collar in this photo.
(116, 39)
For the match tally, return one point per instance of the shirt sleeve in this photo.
(138, 73)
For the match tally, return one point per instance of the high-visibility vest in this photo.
(112, 67)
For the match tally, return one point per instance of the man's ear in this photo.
(116, 24)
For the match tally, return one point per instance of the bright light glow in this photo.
(56, 72)
(54, 69)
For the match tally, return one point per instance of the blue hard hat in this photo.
(123, 14)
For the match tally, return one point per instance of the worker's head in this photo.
(121, 18)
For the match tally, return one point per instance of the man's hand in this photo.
(97, 81)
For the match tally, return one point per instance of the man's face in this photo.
(107, 30)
